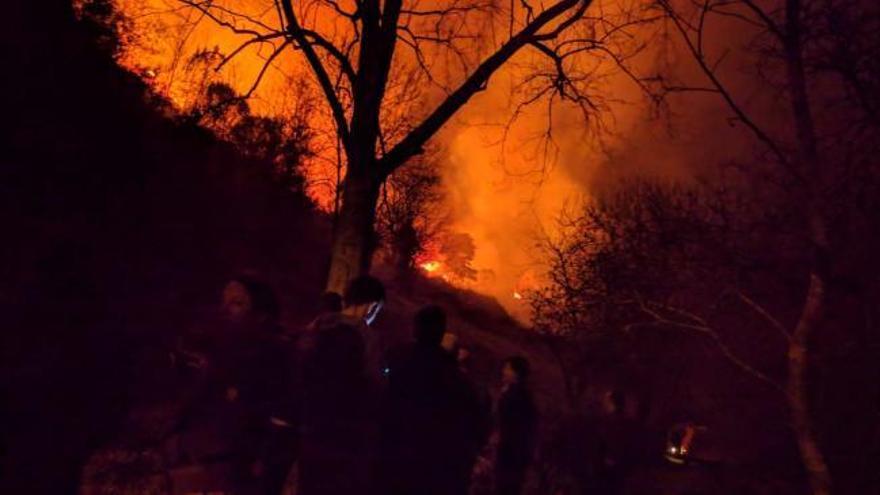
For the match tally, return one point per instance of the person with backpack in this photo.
(335, 421)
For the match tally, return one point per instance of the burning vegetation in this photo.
(722, 275)
(233, 67)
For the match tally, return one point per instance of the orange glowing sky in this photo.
(504, 196)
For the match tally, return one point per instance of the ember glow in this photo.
(430, 266)
(435, 269)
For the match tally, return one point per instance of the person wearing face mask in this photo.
(337, 369)
(238, 382)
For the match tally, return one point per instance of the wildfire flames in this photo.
(435, 269)
(501, 195)
(430, 266)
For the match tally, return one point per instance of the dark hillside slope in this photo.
(116, 220)
(119, 224)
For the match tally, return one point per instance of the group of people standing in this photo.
(340, 408)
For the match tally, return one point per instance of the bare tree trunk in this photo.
(354, 238)
(818, 474)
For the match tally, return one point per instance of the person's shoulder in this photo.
(323, 322)
(327, 325)
(341, 333)
(336, 322)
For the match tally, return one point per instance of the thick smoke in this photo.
(506, 179)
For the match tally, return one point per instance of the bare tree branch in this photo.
(412, 144)
(699, 326)
(265, 67)
(757, 308)
(709, 72)
(296, 32)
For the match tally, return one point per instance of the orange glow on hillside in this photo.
(503, 196)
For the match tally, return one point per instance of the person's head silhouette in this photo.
(430, 325)
(364, 298)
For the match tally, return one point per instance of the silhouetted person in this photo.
(367, 294)
(626, 442)
(329, 313)
(335, 391)
(241, 383)
(517, 421)
(433, 425)
(481, 428)
(283, 446)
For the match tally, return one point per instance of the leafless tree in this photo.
(457, 251)
(652, 256)
(709, 261)
(816, 56)
(645, 242)
(284, 141)
(410, 215)
(378, 64)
